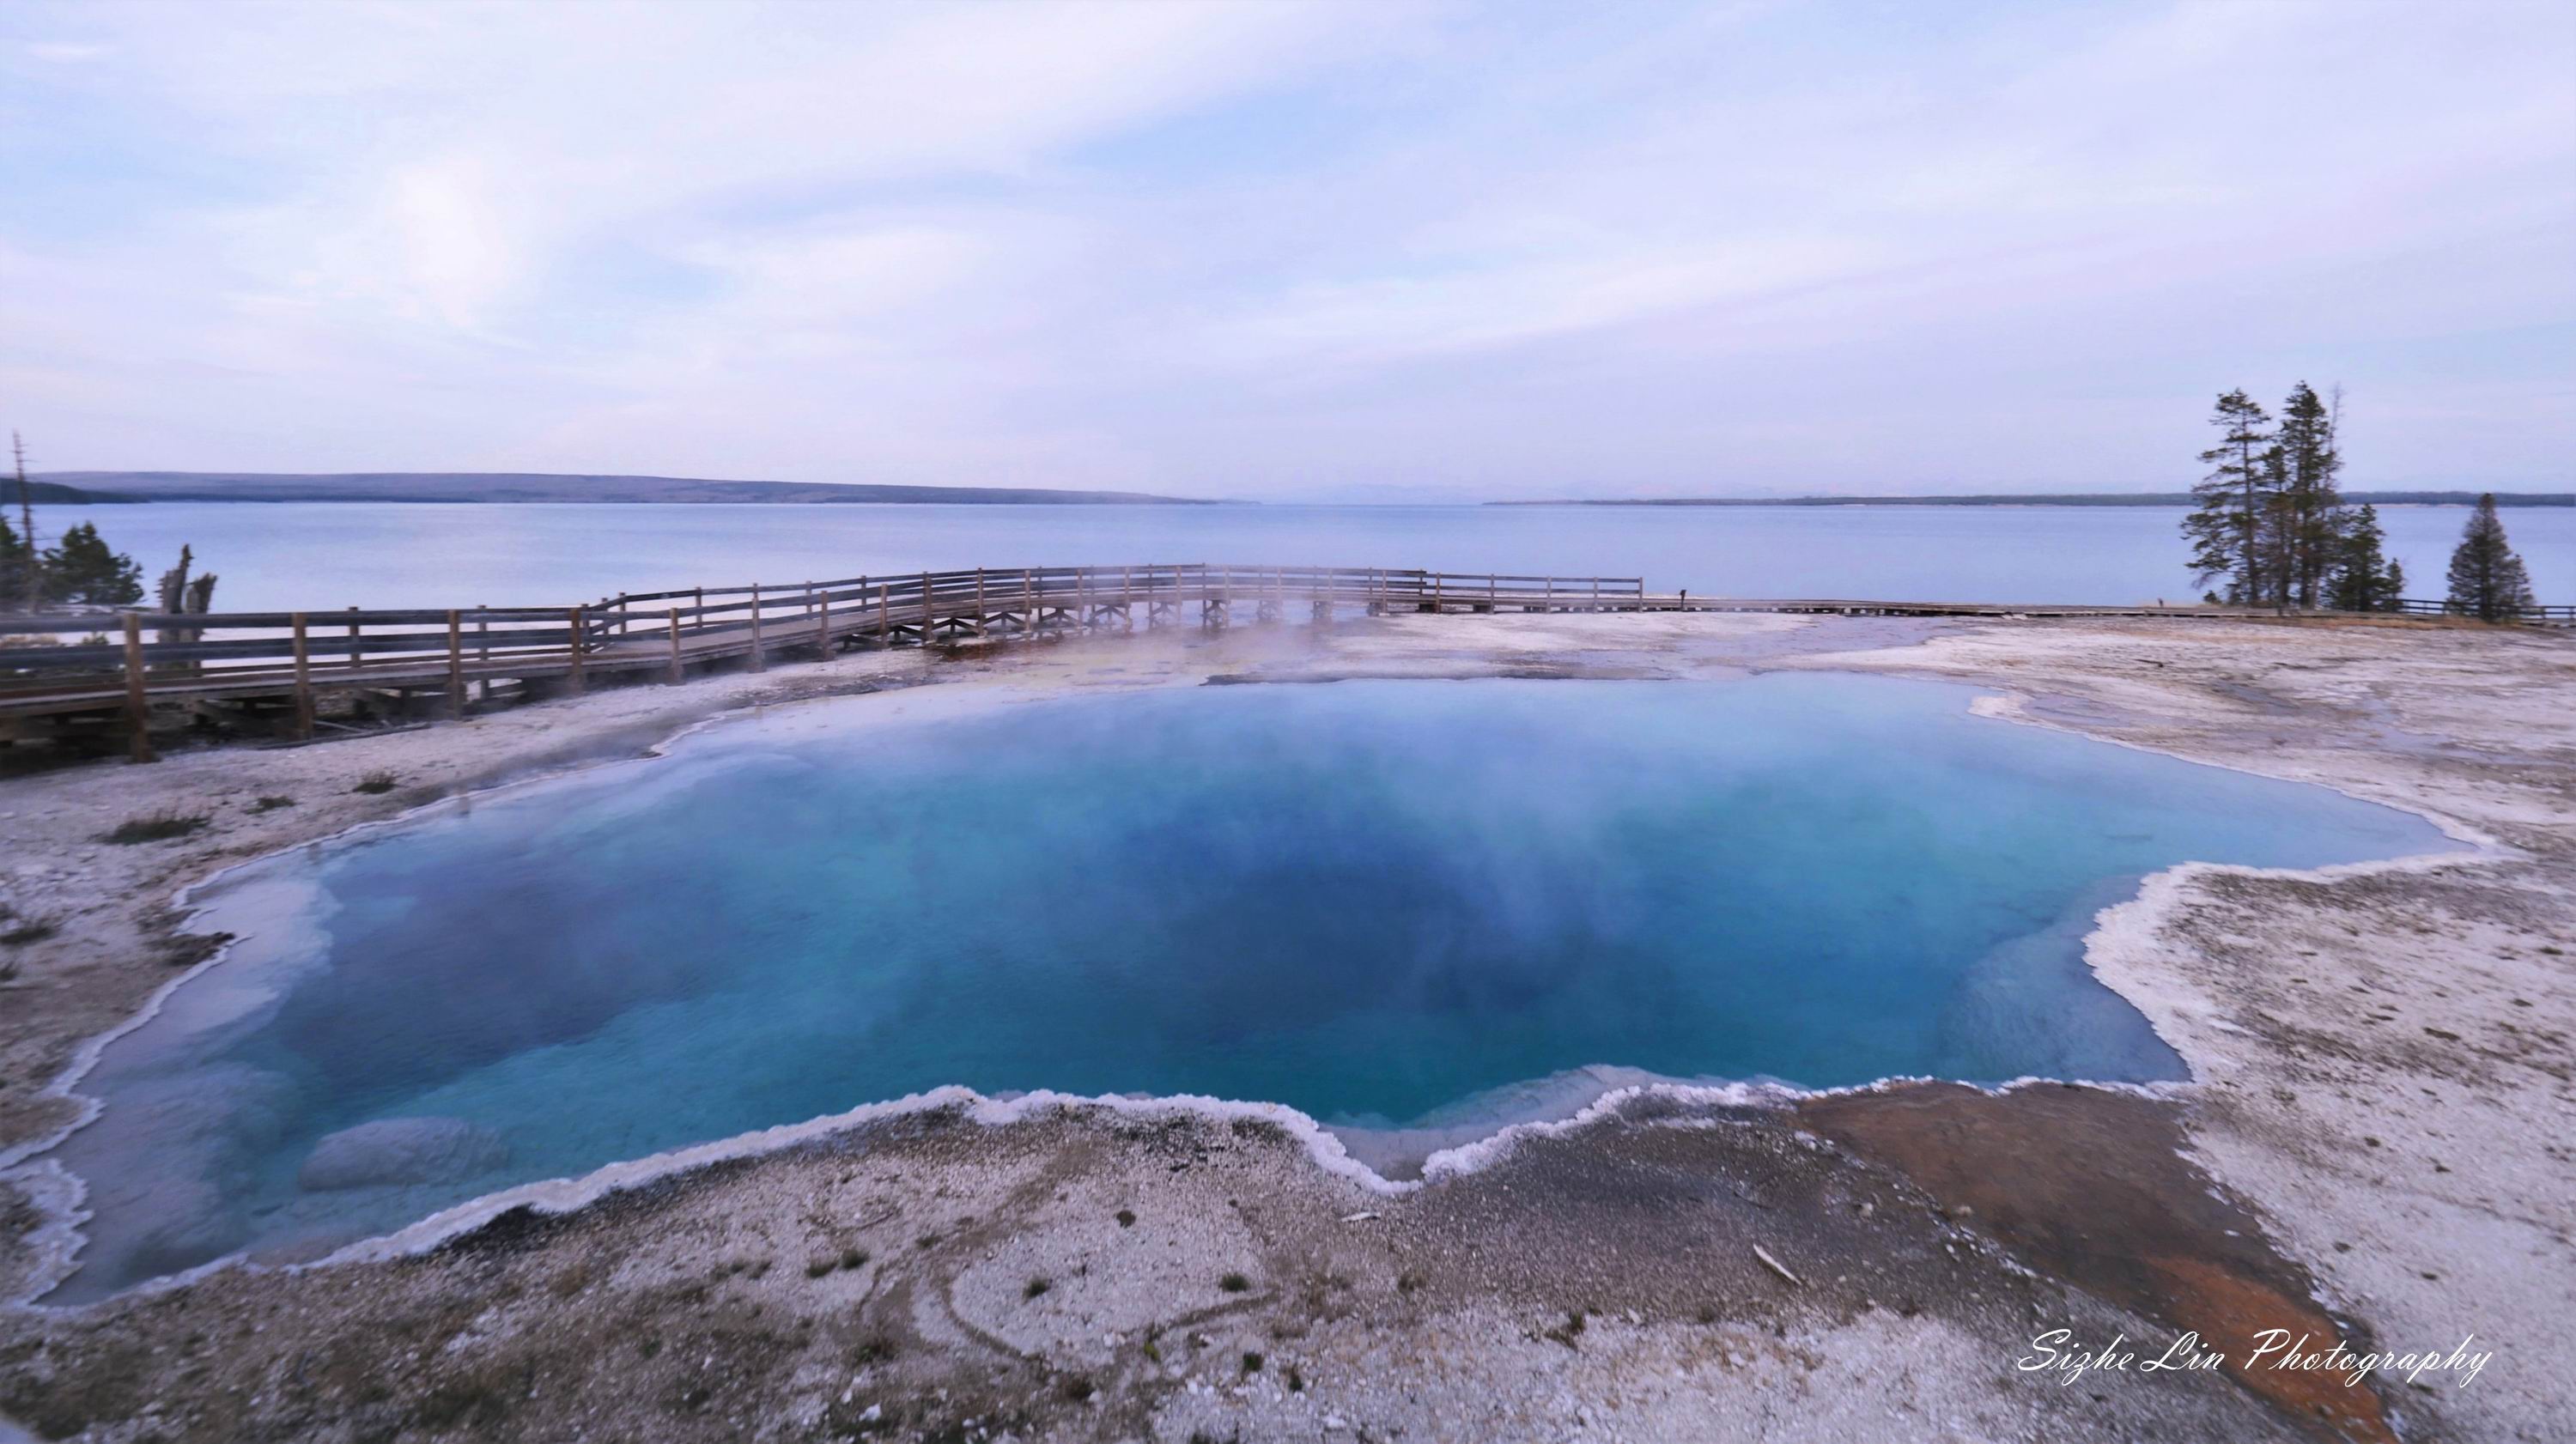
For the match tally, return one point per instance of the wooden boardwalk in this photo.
(74, 675)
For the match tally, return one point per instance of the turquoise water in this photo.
(287, 556)
(1381, 902)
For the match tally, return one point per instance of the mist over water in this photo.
(1384, 903)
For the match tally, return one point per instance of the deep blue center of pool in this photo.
(1375, 901)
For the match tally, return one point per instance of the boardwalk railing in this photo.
(99, 665)
(84, 669)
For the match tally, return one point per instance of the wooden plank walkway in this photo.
(281, 660)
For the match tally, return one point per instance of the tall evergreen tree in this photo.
(16, 561)
(2487, 580)
(2306, 461)
(2225, 527)
(2364, 578)
(81, 569)
(30, 577)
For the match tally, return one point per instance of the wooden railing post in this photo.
(572, 674)
(979, 601)
(676, 675)
(303, 682)
(925, 609)
(138, 696)
(456, 664)
(823, 626)
(357, 655)
(759, 663)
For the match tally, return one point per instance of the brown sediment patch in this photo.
(2090, 1186)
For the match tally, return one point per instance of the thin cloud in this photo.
(1444, 251)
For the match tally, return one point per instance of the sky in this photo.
(1322, 252)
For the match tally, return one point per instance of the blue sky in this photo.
(1326, 252)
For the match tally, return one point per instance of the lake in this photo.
(316, 556)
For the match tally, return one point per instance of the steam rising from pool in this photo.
(1393, 905)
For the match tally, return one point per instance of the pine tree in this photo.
(2224, 529)
(2487, 580)
(81, 569)
(14, 563)
(2306, 462)
(2364, 578)
(30, 577)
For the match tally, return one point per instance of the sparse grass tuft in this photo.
(1407, 1281)
(1126, 1218)
(1234, 1284)
(155, 827)
(1566, 1333)
(854, 1258)
(375, 782)
(272, 802)
(819, 1265)
(1079, 1390)
(1251, 1362)
(1035, 1287)
(1296, 1380)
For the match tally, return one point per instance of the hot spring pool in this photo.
(1392, 905)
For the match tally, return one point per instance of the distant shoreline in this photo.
(85, 488)
(2128, 498)
(502, 488)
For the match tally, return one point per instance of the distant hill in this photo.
(54, 493)
(2122, 498)
(516, 486)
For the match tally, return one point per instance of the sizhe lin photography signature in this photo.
(2059, 1352)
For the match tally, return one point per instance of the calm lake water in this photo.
(1358, 899)
(319, 556)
